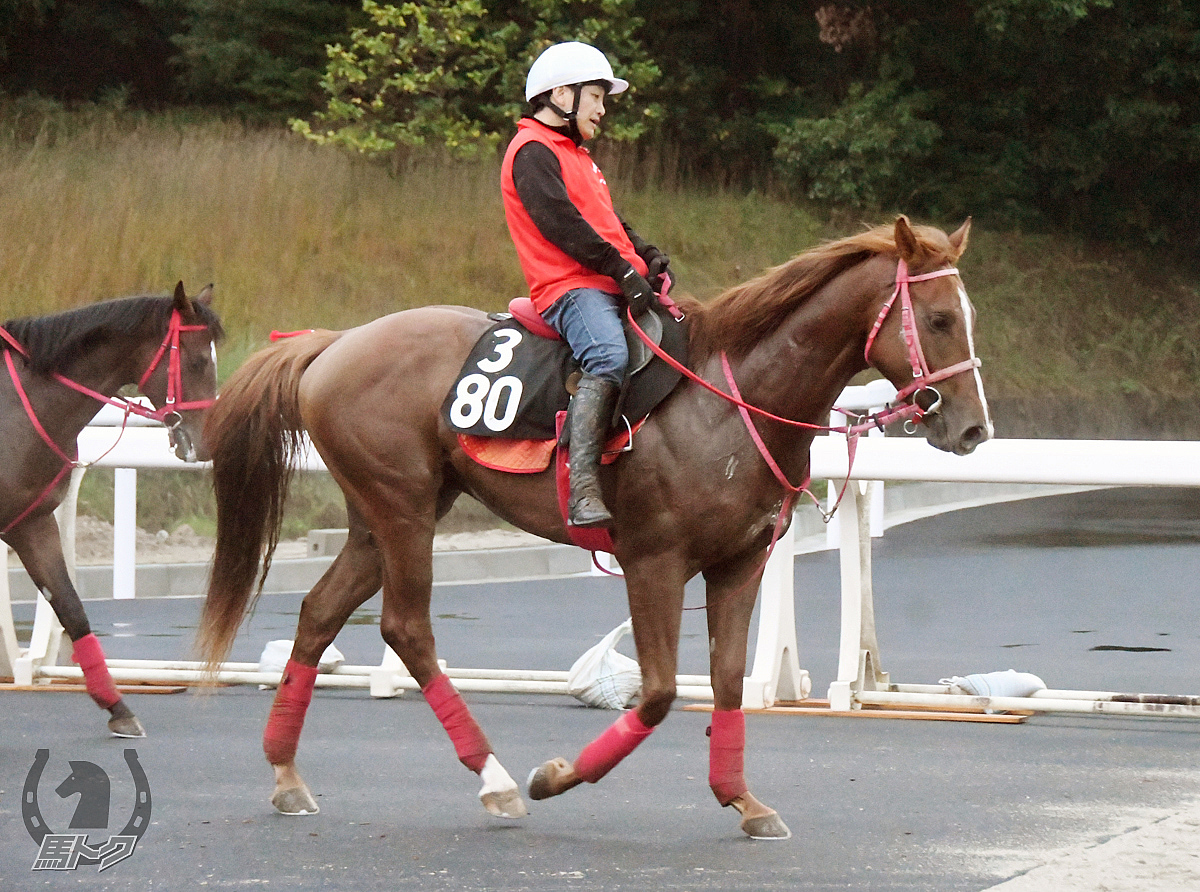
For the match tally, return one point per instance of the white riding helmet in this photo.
(570, 63)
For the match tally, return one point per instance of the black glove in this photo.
(657, 262)
(637, 291)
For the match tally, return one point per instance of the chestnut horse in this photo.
(695, 495)
(60, 369)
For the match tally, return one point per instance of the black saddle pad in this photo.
(513, 382)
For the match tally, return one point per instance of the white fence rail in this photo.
(776, 673)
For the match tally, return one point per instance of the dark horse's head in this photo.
(163, 344)
(182, 387)
(92, 785)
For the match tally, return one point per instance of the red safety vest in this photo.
(549, 271)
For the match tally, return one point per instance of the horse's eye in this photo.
(941, 322)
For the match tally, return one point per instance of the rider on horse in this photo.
(582, 262)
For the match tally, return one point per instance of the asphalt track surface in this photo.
(1090, 591)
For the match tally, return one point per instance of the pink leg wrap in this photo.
(90, 656)
(602, 755)
(286, 720)
(727, 747)
(468, 738)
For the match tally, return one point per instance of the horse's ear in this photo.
(205, 296)
(906, 240)
(180, 300)
(958, 238)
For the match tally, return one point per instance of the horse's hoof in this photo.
(126, 726)
(295, 801)
(766, 827)
(551, 779)
(504, 804)
(500, 795)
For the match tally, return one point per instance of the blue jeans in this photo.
(590, 322)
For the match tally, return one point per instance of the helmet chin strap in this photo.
(570, 116)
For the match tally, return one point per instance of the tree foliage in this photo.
(859, 154)
(262, 58)
(1083, 113)
(451, 72)
(87, 50)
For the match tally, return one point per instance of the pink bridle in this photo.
(922, 377)
(167, 414)
(905, 411)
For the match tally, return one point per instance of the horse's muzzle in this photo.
(181, 441)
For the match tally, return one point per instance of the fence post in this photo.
(777, 673)
(10, 652)
(833, 530)
(124, 532)
(858, 653)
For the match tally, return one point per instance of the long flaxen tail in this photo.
(255, 432)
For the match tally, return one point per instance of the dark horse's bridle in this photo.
(167, 414)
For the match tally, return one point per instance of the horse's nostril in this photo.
(971, 438)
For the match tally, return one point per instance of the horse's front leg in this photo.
(407, 628)
(655, 589)
(732, 590)
(37, 544)
(353, 577)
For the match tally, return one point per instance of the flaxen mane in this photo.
(745, 314)
(53, 340)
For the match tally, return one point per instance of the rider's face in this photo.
(591, 110)
(591, 106)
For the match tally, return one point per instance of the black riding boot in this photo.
(591, 412)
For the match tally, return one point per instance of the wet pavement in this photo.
(1091, 591)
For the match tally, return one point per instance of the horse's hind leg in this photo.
(406, 626)
(354, 576)
(732, 591)
(36, 542)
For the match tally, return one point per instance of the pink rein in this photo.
(172, 405)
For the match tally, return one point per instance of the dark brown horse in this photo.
(694, 496)
(60, 369)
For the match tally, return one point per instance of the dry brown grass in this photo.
(292, 235)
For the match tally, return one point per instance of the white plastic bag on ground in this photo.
(1009, 683)
(276, 654)
(604, 677)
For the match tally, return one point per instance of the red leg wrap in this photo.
(90, 657)
(468, 738)
(727, 747)
(602, 755)
(286, 720)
